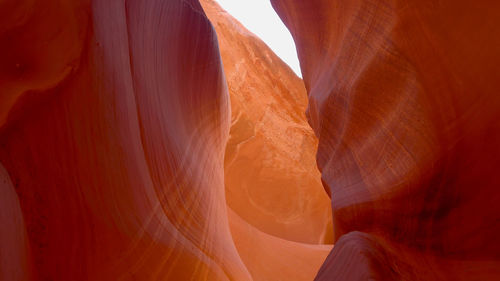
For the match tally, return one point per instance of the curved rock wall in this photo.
(114, 118)
(403, 96)
(113, 128)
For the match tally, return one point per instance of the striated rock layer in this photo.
(114, 117)
(272, 180)
(403, 96)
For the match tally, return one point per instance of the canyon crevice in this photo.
(161, 140)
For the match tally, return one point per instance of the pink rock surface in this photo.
(115, 119)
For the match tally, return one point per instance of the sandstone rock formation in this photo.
(403, 96)
(271, 175)
(114, 119)
(269, 257)
(272, 182)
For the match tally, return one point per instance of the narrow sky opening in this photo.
(259, 17)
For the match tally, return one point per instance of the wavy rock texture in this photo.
(114, 119)
(114, 116)
(403, 96)
(272, 180)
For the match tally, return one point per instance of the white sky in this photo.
(259, 17)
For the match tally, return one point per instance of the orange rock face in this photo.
(273, 188)
(403, 96)
(114, 119)
(272, 180)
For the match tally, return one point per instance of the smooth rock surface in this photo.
(114, 120)
(403, 96)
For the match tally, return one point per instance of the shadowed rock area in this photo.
(403, 96)
(115, 120)
(121, 158)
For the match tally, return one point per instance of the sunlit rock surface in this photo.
(114, 118)
(272, 182)
(269, 257)
(403, 96)
(271, 176)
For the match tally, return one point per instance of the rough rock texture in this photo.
(272, 180)
(114, 117)
(403, 96)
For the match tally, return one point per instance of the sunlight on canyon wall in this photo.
(271, 176)
(138, 144)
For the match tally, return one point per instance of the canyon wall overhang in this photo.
(114, 118)
(403, 96)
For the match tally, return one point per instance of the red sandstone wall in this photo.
(403, 96)
(114, 119)
(113, 123)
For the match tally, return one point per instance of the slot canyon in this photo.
(162, 140)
